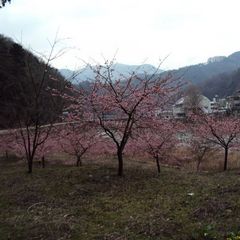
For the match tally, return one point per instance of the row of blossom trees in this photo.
(119, 116)
(156, 139)
(87, 140)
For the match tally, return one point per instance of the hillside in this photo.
(197, 74)
(223, 85)
(21, 74)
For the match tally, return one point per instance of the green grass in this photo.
(62, 202)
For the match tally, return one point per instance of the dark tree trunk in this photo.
(198, 165)
(43, 162)
(120, 162)
(7, 155)
(30, 164)
(199, 160)
(79, 161)
(225, 159)
(158, 164)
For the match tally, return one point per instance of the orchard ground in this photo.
(91, 202)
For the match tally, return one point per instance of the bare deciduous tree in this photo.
(192, 99)
(39, 107)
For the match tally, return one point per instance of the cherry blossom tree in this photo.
(219, 130)
(11, 141)
(120, 106)
(157, 140)
(14, 143)
(42, 107)
(200, 147)
(77, 138)
(47, 148)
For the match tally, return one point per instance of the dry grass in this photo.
(91, 202)
(213, 161)
(180, 157)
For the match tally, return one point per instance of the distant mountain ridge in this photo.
(219, 75)
(199, 73)
(87, 74)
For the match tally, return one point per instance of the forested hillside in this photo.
(223, 84)
(22, 74)
(199, 73)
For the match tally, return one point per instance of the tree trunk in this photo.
(120, 162)
(79, 161)
(30, 164)
(7, 155)
(158, 164)
(198, 165)
(43, 162)
(200, 158)
(225, 159)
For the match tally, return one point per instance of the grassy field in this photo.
(63, 202)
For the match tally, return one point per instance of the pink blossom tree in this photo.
(12, 141)
(219, 130)
(158, 140)
(47, 148)
(120, 106)
(77, 138)
(200, 147)
(40, 108)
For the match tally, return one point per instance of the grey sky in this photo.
(142, 31)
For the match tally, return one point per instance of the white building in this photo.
(180, 108)
(219, 105)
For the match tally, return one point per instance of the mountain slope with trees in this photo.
(199, 73)
(21, 75)
(222, 85)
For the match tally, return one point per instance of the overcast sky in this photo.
(189, 31)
